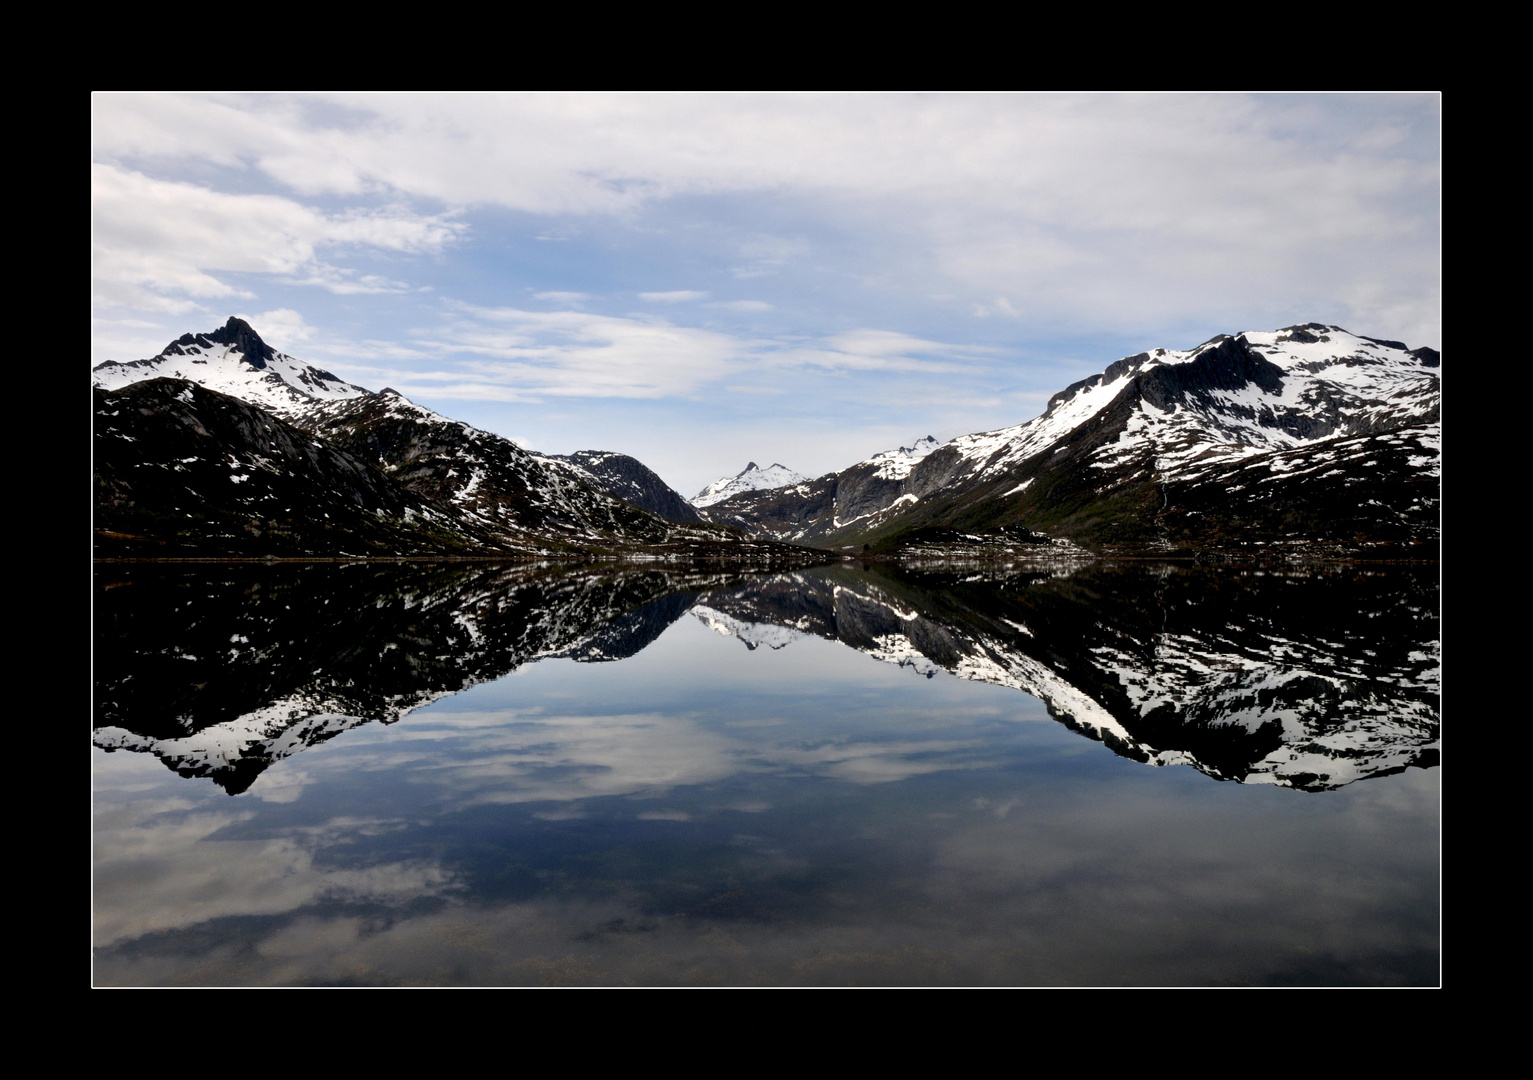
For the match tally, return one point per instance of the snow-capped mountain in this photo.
(491, 488)
(1146, 455)
(751, 478)
(1309, 438)
(1227, 399)
(485, 475)
(234, 360)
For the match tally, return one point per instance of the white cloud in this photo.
(890, 343)
(158, 869)
(562, 297)
(1107, 211)
(158, 243)
(742, 305)
(515, 355)
(541, 758)
(281, 328)
(346, 282)
(675, 297)
(884, 350)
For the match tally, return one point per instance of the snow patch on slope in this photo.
(896, 464)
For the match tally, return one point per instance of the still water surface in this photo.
(437, 775)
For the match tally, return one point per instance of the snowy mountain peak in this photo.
(1233, 396)
(896, 464)
(237, 335)
(234, 360)
(1307, 434)
(751, 478)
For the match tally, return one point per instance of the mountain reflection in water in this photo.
(833, 819)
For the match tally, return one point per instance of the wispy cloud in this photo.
(676, 296)
(159, 243)
(742, 305)
(281, 327)
(1099, 209)
(885, 350)
(511, 354)
(579, 354)
(973, 239)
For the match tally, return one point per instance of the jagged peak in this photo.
(237, 334)
(234, 359)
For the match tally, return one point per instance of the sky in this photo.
(700, 280)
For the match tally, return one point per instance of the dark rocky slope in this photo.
(183, 471)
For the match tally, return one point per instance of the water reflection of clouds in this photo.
(1058, 890)
(162, 867)
(875, 762)
(1015, 852)
(512, 757)
(1165, 890)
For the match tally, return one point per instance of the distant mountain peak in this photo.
(751, 478)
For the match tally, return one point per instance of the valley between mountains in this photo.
(1309, 441)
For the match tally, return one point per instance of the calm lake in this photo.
(464, 774)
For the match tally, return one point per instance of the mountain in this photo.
(835, 501)
(626, 478)
(487, 475)
(487, 493)
(751, 478)
(233, 360)
(182, 470)
(1306, 438)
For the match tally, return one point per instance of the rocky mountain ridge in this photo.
(181, 470)
(459, 489)
(1138, 456)
(1309, 440)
